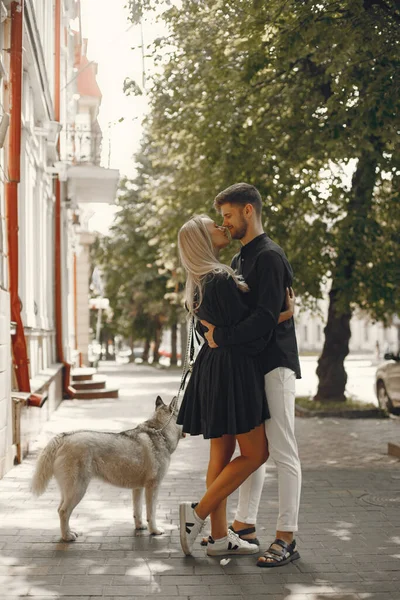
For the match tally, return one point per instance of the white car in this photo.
(387, 380)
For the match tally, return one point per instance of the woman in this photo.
(225, 398)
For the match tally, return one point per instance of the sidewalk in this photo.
(349, 536)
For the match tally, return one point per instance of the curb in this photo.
(394, 449)
(372, 413)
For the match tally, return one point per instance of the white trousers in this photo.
(280, 391)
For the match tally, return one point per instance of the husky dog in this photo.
(137, 459)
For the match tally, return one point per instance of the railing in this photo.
(81, 145)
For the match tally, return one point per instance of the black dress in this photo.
(225, 393)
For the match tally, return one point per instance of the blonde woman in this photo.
(225, 398)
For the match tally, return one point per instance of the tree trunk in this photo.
(157, 342)
(174, 343)
(146, 350)
(131, 345)
(352, 233)
(330, 371)
(184, 336)
(109, 341)
(101, 342)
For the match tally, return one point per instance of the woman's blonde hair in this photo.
(198, 259)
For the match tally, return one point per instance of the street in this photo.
(349, 537)
(360, 371)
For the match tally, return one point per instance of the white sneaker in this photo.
(190, 526)
(231, 544)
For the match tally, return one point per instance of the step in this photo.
(96, 394)
(92, 384)
(83, 371)
(83, 374)
(394, 449)
(81, 378)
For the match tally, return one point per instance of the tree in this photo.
(302, 100)
(133, 282)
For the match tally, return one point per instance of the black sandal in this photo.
(240, 533)
(279, 557)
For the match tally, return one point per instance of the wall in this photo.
(83, 276)
(6, 455)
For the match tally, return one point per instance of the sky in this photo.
(110, 39)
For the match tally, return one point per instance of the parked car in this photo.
(387, 380)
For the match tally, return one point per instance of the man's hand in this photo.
(209, 335)
(290, 299)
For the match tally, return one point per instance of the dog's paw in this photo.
(71, 536)
(140, 527)
(156, 531)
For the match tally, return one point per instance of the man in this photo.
(268, 273)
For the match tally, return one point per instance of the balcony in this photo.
(82, 145)
(87, 180)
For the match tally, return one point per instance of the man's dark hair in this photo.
(240, 193)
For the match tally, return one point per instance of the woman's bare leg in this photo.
(254, 452)
(221, 450)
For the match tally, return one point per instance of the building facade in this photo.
(367, 336)
(48, 93)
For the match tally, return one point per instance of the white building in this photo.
(88, 184)
(367, 337)
(44, 270)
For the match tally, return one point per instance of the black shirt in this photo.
(268, 273)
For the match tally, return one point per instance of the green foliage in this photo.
(131, 88)
(134, 282)
(350, 405)
(292, 97)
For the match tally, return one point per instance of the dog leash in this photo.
(189, 360)
(186, 369)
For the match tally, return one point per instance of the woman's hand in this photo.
(290, 300)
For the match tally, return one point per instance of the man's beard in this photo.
(240, 230)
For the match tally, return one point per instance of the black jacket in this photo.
(268, 273)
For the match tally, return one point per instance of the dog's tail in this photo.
(44, 466)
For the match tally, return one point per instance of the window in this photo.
(3, 245)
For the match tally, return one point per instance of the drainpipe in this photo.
(76, 307)
(20, 354)
(68, 390)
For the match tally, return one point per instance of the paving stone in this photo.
(378, 586)
(191, 579)
(254, 590)
(332, 577)
(24, 570)
(350, 550)
(196, 590)
(149, 595)
(215, 579)
(250, 579)
(86, 580)
(140, 590)
(378, 596)
(217, 597)
(66, 591)
(54, 597)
